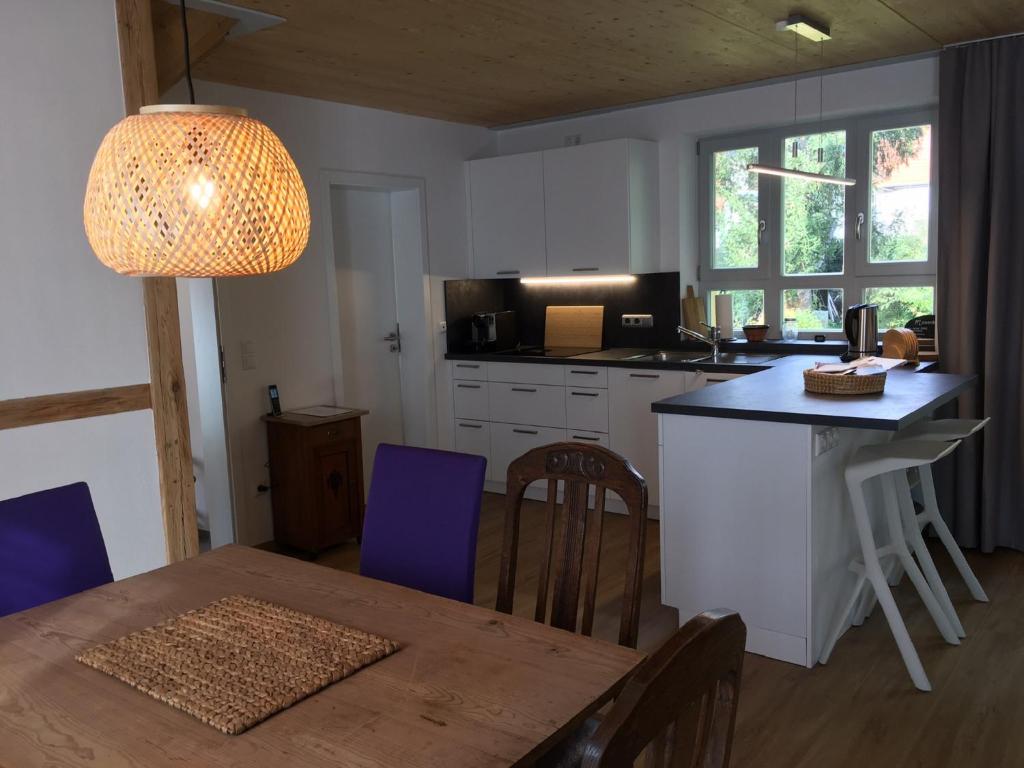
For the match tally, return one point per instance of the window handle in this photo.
(860, 223)
(762, 225)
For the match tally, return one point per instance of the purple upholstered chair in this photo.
(421, 520)
(50, 547)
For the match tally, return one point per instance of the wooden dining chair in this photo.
(679, 707)
(572, 535)
(51, 546)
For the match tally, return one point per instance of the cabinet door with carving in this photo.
(338, 494)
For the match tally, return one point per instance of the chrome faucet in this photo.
(713, 338)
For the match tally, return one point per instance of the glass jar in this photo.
(790, 330)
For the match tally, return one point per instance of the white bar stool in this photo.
(884, 461)
(939, 430)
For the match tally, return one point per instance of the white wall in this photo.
(68, 323)
(285, 315)
(677, 125)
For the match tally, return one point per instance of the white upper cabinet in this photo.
(507, 216)
(590, 209)
(601, 206)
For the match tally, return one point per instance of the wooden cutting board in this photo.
(693, 311)
(573, 327)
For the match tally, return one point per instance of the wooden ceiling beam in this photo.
(206, 31)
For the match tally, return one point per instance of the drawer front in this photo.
(464, 369)
(526, 373)
(473, 437)
(471, 399)
(590, 438)
(586, 409)
(535, 404)
(334, 432)
(586, 376)
(510, 441)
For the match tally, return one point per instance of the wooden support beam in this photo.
(170, 409)
(28, 411)
(205, 32)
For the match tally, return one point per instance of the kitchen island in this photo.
(754, 507)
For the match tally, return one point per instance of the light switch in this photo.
(248, 356)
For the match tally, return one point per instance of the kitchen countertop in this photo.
(620, 357)
(777, 394)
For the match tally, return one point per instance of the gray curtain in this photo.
(981, 282)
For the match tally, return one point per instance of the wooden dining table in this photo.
(469, 687)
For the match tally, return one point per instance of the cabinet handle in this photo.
(584, 394)
(468, 386)
(507, 272)
(526, 431)
(467, 365)
(645, 375)
(523, 389)
(588, 439)
(585, 373)
(471, 426)
(586, 269)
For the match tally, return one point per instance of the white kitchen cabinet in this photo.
(473, 437)
(471, 400)
(506, 201)
(601, 208)
(632, 427)
(510, 441)
(586, 376)
(464, 369)
(583, 436)
(586, 409)
(533, 404)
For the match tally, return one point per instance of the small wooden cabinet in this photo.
(316, 479)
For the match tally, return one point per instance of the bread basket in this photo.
(840, 384)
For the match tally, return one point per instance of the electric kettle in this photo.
(861, 327)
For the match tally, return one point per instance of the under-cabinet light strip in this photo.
(590, 280)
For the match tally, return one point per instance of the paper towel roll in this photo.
(723, 314)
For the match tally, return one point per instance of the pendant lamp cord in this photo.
(188, 57)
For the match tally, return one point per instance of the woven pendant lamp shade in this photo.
(195, 191)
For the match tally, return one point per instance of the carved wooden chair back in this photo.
(679, 707)
(572, 535)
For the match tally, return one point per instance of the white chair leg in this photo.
(899, 543)
(912, 531)
(932, 515)
(873, 573)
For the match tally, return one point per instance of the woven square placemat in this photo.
(237, 660)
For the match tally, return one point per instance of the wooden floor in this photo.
(861, 709)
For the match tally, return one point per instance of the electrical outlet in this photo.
(573, 140)
(444, 326)
(638, 321)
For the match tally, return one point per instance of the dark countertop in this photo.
(619, 357)
(778, 395)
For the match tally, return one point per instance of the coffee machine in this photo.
(861, 327)
(494, 331)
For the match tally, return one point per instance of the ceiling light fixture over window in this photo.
(187, 190)
(803, 26)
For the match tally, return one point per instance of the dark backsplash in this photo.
(656, 294)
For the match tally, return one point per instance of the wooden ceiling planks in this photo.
(494, 62)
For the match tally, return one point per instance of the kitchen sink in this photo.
(682, 356)
(667, 357)
(735, 358)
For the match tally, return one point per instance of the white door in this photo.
(367, 314)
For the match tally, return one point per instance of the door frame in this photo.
(380, 182)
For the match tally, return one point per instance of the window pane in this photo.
(900, 178)
(898, 304)
(815, 309)
(814, 223)
(747, 307)
(735, 210)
